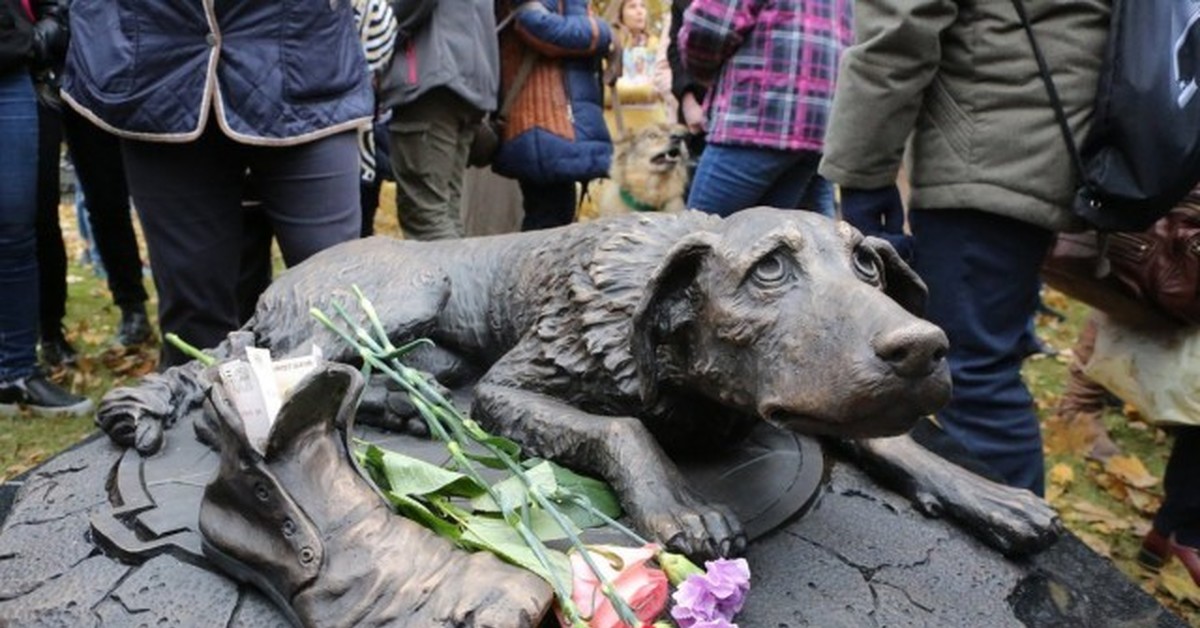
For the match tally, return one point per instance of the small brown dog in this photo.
(649, 172)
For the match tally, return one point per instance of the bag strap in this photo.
(1059, 114)
(527, 60)
(1103, 267)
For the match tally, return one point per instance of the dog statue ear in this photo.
(665, 307)
(900, 281)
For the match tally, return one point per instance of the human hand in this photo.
(693, 114)
(877, 212)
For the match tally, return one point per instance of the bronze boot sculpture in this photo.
(303, 524)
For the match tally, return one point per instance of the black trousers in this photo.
(101, 174)
(189, 198)
(51, 254)
(1180, 510)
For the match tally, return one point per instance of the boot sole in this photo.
(80, 409)
(242, 572)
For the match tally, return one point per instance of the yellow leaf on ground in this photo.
(1144, 502)
(1063, 437)
(1092, 514)
(1114, 485)
(1131, 471)
(1061, 474)
(1179, 586)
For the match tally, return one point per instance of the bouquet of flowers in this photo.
(536, 502)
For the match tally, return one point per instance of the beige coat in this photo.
(959, 76)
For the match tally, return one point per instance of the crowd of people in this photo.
(228, 128)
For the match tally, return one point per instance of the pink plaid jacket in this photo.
(774, 64)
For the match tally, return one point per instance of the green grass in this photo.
(91, 322)
(1092, 507)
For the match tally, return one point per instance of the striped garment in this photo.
(774, 63)
(377, 29)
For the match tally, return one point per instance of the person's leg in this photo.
(1083, 401)
(52, 255)
(310, 193)
(793, 183)
(1180, 510)
(732, 178)
(982, 274)
(256, 271)
(819, 197)
(189, 199)
(18, 234)
(101, 174)
(1176, 530)
(369, 200)
(21, 384)
(430, 139)
(547, 205)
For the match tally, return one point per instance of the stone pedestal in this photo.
(100, 536)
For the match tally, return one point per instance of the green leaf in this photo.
(513, 493)
(411, 476)
(598, 493)
(497, 536)
(415, 510)
(370, 458)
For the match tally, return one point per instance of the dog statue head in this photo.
(795, 318)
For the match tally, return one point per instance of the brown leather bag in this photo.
(1151, 278)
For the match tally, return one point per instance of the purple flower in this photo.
(711, 599)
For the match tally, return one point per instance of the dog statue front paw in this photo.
(693, 527)
(1013, 521)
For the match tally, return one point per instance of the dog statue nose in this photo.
(915, 350)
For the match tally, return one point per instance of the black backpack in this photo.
(1142, 155)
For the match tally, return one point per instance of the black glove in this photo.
(50, 37)
(878, 212)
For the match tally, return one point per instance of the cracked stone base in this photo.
(861, 556)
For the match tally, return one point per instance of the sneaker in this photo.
(42, 397)
(56, 351)
(134, 328)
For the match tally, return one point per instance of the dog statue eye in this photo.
(866, 265)
(770, 271)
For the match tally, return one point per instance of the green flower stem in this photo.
(443, 413)
(190, 351)
(406, 378)
(586, 504)
(535, 544)
(624, 611)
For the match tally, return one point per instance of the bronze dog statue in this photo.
(606, 344)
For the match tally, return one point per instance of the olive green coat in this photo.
(959, 76)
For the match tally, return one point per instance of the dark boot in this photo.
(55, 350)
(303, 524)
(41, 397)
(134, 328)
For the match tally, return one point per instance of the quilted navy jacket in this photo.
(555, 131)
(277, 73)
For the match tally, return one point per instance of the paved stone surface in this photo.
(861, 556)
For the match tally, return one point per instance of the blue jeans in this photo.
(18, 234)
(982, 273)
(732, 178)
